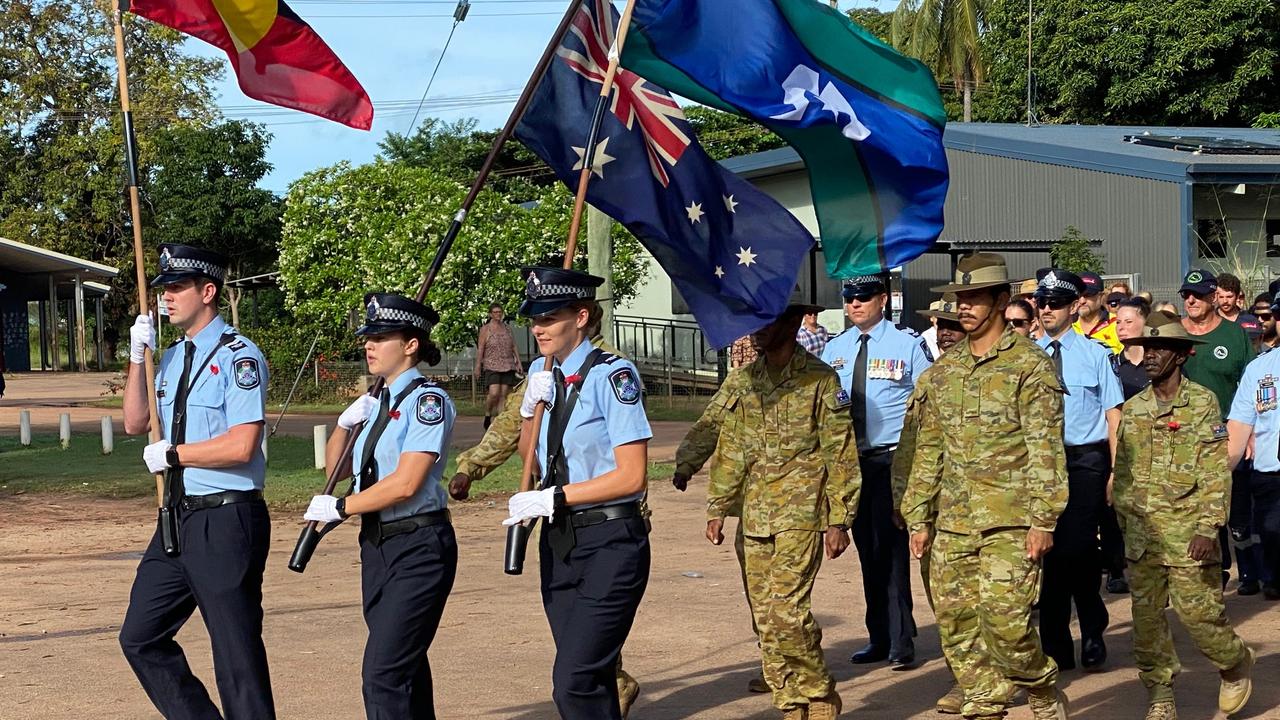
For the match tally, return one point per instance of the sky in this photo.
(391, 47)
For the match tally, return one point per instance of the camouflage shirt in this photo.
(988, 449)
(700, 442)
(1172, 478)
(786, 459)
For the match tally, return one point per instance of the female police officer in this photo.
(593, 447)
(408, 552)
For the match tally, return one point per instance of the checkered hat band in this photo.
(401, 316)
(206, 268)
(865, 280)
(551, 290)
(1057, 283)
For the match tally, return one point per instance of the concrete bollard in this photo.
(24, 428)
(64, 430)
(320, 437)
(108, 436)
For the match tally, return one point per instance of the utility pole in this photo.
(1031, 111)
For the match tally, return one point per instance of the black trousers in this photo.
(591, 599)
(883, 554)
(224, 551)
(1073, 568)
(1240, 521)
(1265, 489)
(405, 582)
(1112, 542)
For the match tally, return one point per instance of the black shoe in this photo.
(872, 653)
(1249, 587)
(1117, 585)
(487, 421)
(1271, 592)
(903, 661)
(1093, 653)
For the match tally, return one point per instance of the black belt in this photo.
(877, 451)
(1090, 447)
(379, 531)
(227, 497)
(597, 515)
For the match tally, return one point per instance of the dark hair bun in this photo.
(430, 354)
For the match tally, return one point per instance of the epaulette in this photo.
(607, 358)
(833, 337)
(237, 345)
(175, 342)
(908, 330)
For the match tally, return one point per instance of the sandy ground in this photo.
(66, 565)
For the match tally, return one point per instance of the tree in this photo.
(724, 135)
(351, 230)
(877, 22)
(204, 189)
(1157, 62)
(1074, 252)
(947, 36)
(458, 150)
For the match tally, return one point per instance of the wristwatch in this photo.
(341, 507)
(171, 457)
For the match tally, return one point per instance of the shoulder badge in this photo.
(246, 372)
(430, 409)
(842, 399)
(1220, 431)
(928, 354)
(625, 386)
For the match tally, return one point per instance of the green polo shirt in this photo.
(1219, 362)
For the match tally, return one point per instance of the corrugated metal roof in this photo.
(1090, 147)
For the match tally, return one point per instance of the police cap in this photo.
(387, 312)
(547, 289)
(183, 262)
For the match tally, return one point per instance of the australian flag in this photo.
(732, 251)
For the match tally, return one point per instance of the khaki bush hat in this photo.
(1164, 328)
(977, 271)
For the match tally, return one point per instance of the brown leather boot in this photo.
(799, 712)
(826, 708)
(1162, 710)
(1047, 704)
(628, 691)
(952, 702)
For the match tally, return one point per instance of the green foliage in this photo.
(1267, 120)
(879, 23)
(1171, 62)
(947, 36)
(348, 231)
(724, 135)
(1073, 252)
(458, 150)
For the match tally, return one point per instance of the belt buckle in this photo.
(187, 504)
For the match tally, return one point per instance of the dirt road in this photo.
(67, 565)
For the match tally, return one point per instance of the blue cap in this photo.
(548, 289)
(863, 285)
(1058, 283)
(387, 312)
(1199, 282)
(182, 262)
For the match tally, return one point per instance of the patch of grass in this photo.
(82, 469)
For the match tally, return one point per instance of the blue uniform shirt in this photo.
(422, 423)
(608, 414)
(894, 360)
(230, 390)
(1093, 386)
(1255, 405)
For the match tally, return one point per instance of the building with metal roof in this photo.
(56, 287)
(1156, 201)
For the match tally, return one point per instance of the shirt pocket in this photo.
(205, 412)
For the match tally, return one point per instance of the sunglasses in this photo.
(1115, 304)
(1019, 322)
(860, 297)
(1187, 294)
(1262, 314)
(1053, 303)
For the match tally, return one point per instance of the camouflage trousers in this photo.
(780, 572)
(742, 568)
(983, 587)
(1196, 596)
(987, 671)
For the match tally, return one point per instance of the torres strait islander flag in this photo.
(277, 57)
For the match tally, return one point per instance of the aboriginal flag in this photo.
(277, 57)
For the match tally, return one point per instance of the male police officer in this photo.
(211, 390)
(878, 365)
(1072, 570)
(986, 486)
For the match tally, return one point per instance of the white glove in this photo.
(142, 335)
(323, 508)
(532, 504)
(357, 412)
(154, 456)
(540, 386)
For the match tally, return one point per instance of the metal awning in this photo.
(15, 257)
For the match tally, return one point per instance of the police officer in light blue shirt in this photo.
(408, 550)
(210, 546)
(878, 365)
(1073, 568)
(1255, 417)
(593, 448)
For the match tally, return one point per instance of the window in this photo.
(1272, 230)
(1212, 238)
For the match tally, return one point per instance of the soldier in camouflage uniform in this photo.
(987, 483)
(695, 449)
(787, 462)
(499, 443)
(1171, 498)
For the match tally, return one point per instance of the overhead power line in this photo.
(459, 14)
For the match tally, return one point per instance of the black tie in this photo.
(859, 408)
(178, 428)
(559, 529)
(368, 466)
(1057, 361)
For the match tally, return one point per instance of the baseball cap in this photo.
(1092, 283)
(1200, 282)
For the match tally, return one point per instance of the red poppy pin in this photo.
(213, 369)
(395, 414)
(572, 379)
(1173, 426)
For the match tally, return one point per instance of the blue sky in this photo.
(392, 55)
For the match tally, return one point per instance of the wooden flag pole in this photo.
(579, 200)
(312, 532)
(135, 212)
